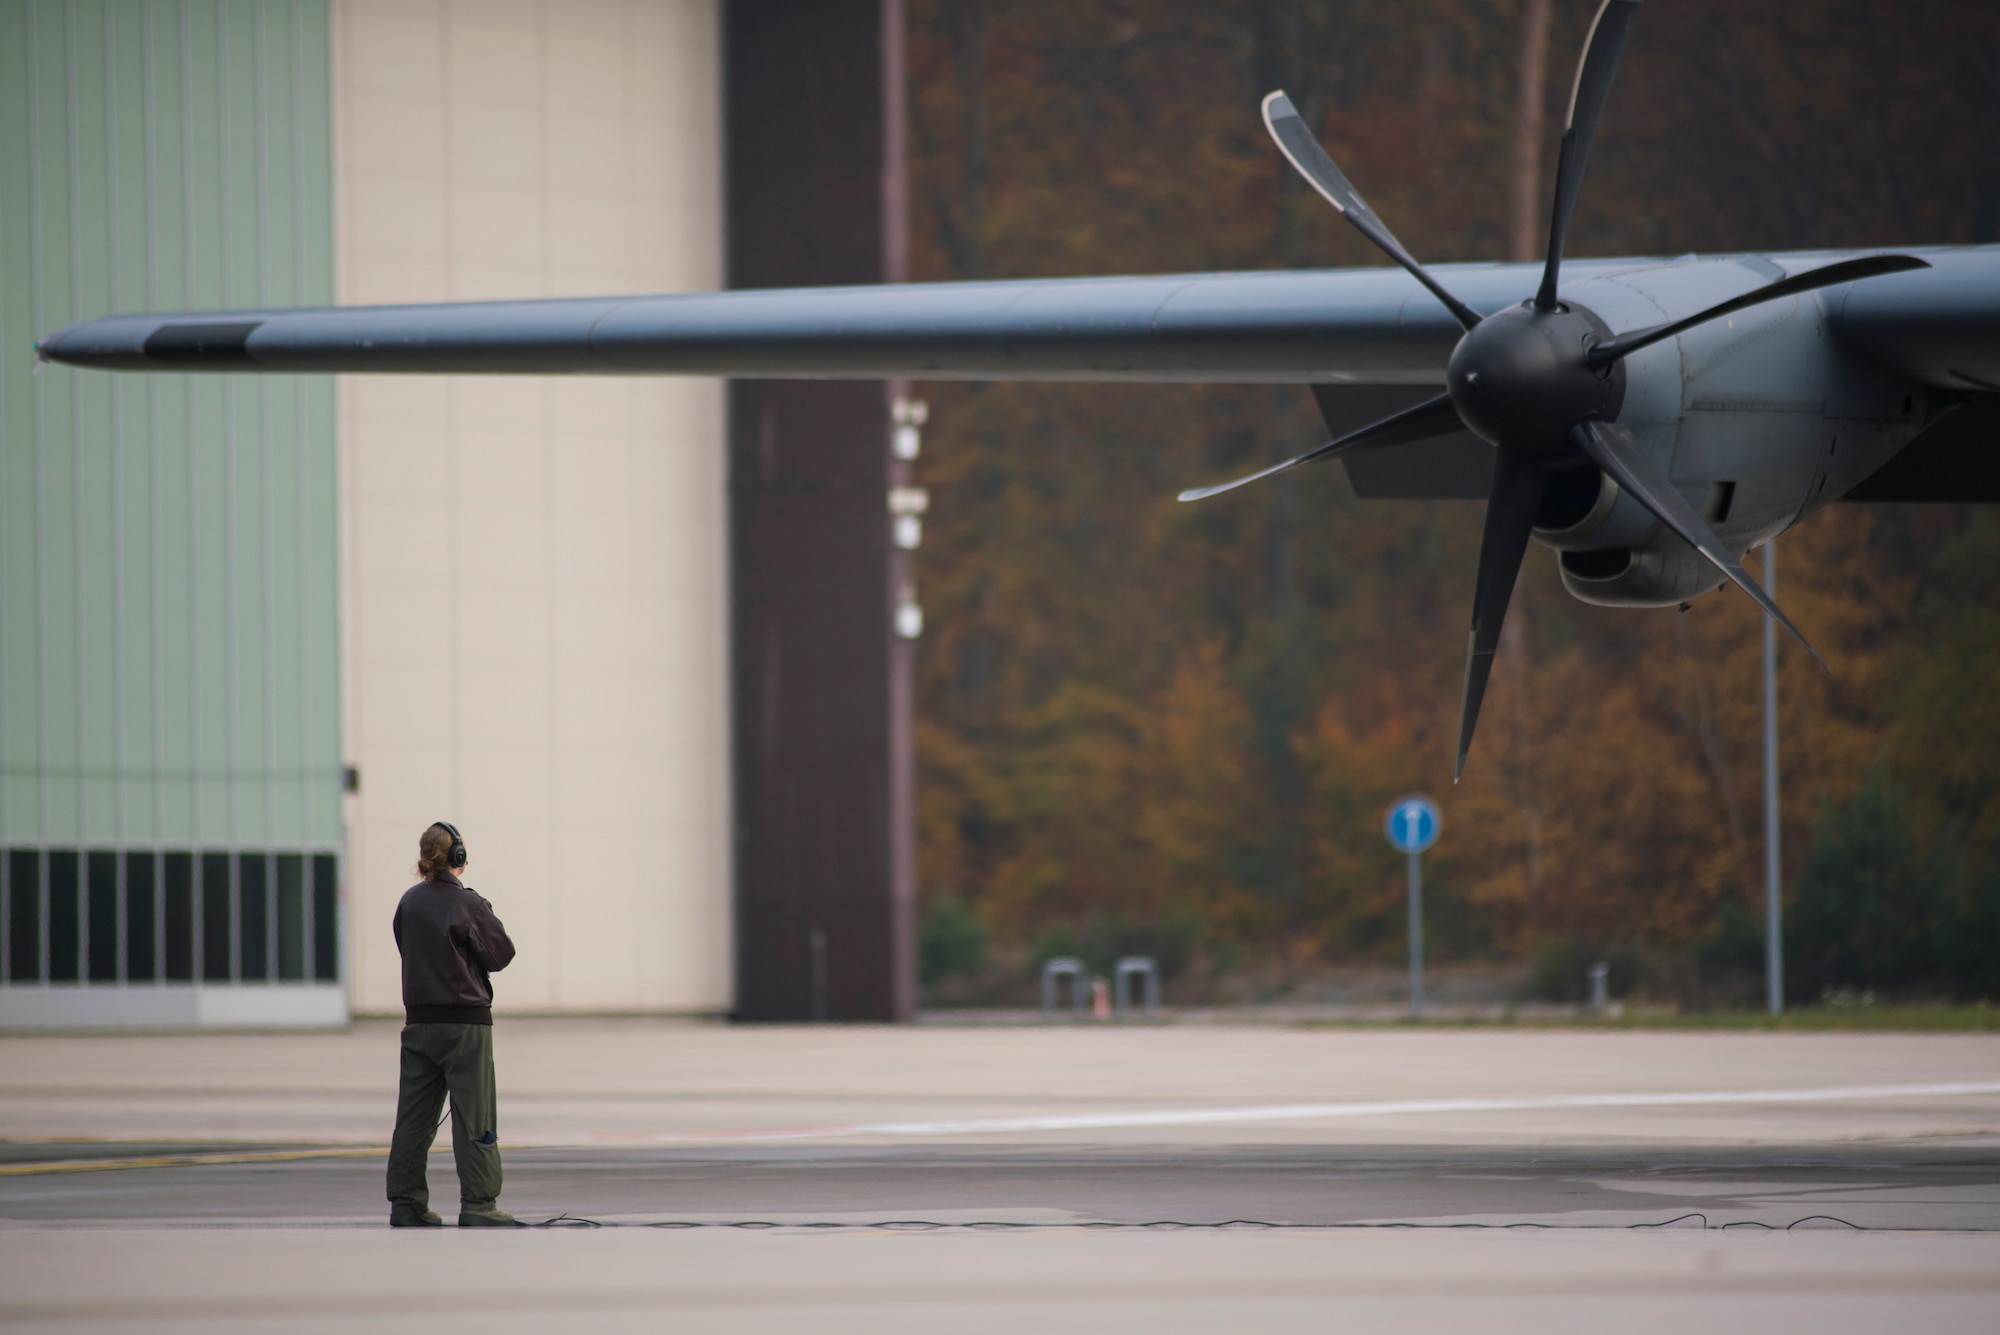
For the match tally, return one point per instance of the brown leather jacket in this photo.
(450, 942)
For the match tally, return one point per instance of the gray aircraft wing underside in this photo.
(1359, 326)
(1938, 326)
(1955, 460)
(1369, 325)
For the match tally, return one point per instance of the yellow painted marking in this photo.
(187, 1160)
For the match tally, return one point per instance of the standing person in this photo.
(450, 942)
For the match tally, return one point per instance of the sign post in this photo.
(1412, 825)
(1774, 953)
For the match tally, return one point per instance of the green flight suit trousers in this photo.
(438, 1058)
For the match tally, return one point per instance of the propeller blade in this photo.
(1847, 271)
(1613, 448)
(1303, 151)
(1432, 417)
(1518, 483)
(1594, 74)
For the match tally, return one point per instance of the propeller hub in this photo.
(1520, 380)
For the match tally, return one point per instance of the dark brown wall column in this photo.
(824, 870)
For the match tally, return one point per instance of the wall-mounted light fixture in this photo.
(909, 616)
(906, 441)
(907, 505)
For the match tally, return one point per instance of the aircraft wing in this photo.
(1362, 325)
(1939, 325)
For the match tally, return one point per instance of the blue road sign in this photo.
(1412, 823)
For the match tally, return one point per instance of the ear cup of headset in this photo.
(456, 857)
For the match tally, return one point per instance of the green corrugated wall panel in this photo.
(94, 251)
(20, 713)
(54, 497)
(168, 281)
(131, 509)
(318, 469)
(169, 665)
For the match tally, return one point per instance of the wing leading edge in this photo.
(1363, 325)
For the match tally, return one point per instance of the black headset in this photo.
(456, 858)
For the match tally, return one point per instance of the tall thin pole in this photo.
(1416, 936)
(899, 590)
(1524, 204)
(1774, 955)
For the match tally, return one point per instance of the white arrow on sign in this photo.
(1413, 824)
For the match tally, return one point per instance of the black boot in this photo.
(409, 1216)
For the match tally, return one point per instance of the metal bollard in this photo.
(1053, 971)
(1138, 964)
(1600, 988)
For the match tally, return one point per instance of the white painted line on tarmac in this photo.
(1291, 1112)
(1303, 1111)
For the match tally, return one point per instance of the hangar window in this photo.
(106, 917)
(216, 918)
(101, 869)
(253, 898)
(141, 917)
(326, 919)
(24, 915)
(291, 889)
(178, 919)
(65, 917)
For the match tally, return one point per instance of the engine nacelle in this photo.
(1612, 551)
(1758, 419)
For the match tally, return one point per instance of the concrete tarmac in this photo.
(1147, 1178)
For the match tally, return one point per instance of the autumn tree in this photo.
(1137, 707)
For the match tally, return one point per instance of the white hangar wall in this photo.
(533, 571)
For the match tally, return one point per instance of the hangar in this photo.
(638, 638)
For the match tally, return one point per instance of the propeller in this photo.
(1594, 73)
(1303, 151)
(1518, 483)
(1541, 382)
(1847, 271)
(1432, 417)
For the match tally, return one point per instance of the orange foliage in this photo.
(1135, 707)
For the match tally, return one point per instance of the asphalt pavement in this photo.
(1146, 1178)
(1899, 1186)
